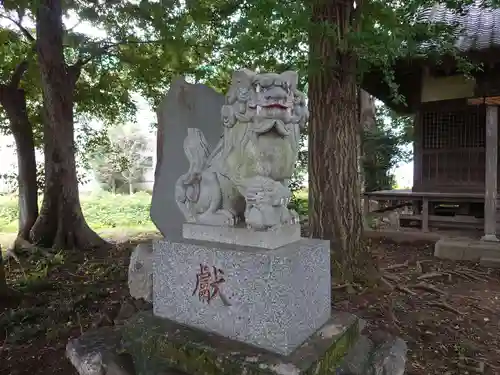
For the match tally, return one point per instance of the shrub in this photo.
(102, 211)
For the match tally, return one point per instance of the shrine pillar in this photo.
(491, 171)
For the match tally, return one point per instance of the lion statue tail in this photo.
(196, 150)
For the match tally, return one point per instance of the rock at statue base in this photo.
(140, 272)
(160, 344)
(273, 299)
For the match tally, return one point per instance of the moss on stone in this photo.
(157, 345)
(333, 357)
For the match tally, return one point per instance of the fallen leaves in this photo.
(448, 312)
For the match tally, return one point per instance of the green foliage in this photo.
(117, 211)
(300, 202)
(132, 47)
(8, 213)
(121, 158)
(102, 211)
(380, 147)
(383, 148)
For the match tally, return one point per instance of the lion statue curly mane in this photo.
(244, 180)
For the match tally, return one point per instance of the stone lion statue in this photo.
(245, 178)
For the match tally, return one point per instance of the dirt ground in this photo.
(448, 312)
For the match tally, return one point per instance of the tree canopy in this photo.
(139, 46)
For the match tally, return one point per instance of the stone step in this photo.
(160, 346)
(150, 345)
(157, 344)
(379, 354)
(490, 262)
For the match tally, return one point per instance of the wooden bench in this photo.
(408, 197)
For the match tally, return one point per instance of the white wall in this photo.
(445, 88)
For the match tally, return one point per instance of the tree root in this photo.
(347, 287)
(395, 266)
(429, 288)
(445, 306)
(340, 286)
(10, 253)
(387, 283)
(431, 275)
(475, 272)
(392, 315)
(419, 263)
(391, 277)
(467, 275)
(77, 236)
(406, 290)
(469, 365)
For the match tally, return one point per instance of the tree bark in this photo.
(61, 223)
(367, 113)
(334, 182)
(13, 100)
(3, 281)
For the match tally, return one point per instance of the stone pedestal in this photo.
(160, 345)
(272, 299)
(148, 345)
(241, 236)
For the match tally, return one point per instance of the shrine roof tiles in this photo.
(478, 27)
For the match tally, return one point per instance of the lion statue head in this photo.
(262, 119)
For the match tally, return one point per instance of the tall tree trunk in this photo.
(13, 100)
(334, 181)
(15, 106)
(61, 223)
(367, 122)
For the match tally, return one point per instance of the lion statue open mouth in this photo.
(245, 177)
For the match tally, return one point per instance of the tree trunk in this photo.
(130, 188)
(367, 122)
(8, 296)
(3, 281)
(61, 223)
(334, 182)
(13, 100)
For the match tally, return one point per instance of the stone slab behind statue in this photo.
(185, 106)
(273, 299)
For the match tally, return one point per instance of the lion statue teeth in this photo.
(244, 179)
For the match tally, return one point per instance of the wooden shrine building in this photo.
(456, 135)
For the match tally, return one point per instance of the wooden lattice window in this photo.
(453, 144)
(461, 128)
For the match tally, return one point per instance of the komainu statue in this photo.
(245, 178)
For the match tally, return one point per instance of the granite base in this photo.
(159, 345)
(241, 236)
(273, 299)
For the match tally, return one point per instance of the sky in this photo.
(145, 116)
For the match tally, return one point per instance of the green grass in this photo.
(111, 215)
(108, 214)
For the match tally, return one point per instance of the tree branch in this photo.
(105, 48)
(25, 31)
(18, 74)
(356, 15)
